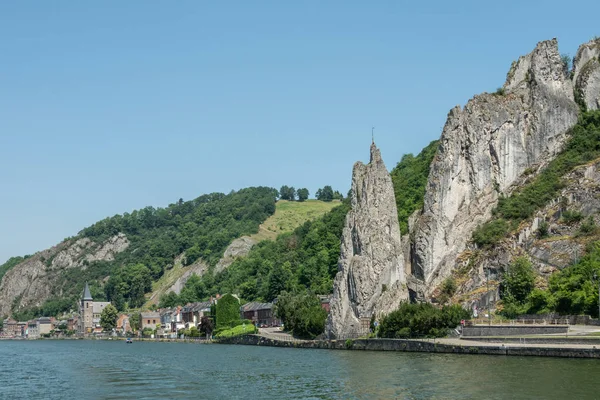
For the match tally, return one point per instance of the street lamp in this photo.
(598, 281)
(487, 287)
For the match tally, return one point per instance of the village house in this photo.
(192, 313)
(261, 314)
(10, 327)
(149, 320)
(171, 319)
(123, 325)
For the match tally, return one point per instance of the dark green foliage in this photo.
(587, 228)
(421, 319)
(8, 265)
(52, 307)
(490, 232)
(518, 281)
(301, 314)
(500, 91)
(228, 312)
(306, 258)
(302, 194)
(287, 193)
(325, 194)
(129, 283)
(410, 179)
(574, 290)
(448, 289)
(203, 227)
(570, 216)
(543, 230)
(582, 147)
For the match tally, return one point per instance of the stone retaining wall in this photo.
(415, 346)
(513, 330)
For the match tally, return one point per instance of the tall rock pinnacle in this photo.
(371, 278)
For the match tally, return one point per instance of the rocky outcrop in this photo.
(31, 282)
(240, 247)
(371, 278)
(479, 271)
(484, 149)
(586, 74)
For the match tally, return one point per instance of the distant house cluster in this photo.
(163, 323)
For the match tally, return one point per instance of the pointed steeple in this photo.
(86, 293)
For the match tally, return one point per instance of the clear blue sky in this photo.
(111, 106)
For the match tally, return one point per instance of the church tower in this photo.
(86, 311)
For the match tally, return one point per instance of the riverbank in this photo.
(454, 346)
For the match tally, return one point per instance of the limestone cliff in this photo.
(33, 281)
(560, 248)
(484, 149)
(586, 74)
(371, 278)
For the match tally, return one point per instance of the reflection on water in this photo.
(114, 370)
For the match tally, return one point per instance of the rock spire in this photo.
(371, 278)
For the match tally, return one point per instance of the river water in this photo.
(142, 370)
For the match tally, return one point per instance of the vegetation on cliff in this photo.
(410, 180)
(582, 146)
(573, 290)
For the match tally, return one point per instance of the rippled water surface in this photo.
(115, 370)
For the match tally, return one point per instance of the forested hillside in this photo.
(305, 259)
(202, 227)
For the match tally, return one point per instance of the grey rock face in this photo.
(371, 278)
(240, 247)
(32, 280)
(484, 149)
(586, 74)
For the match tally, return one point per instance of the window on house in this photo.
(153, 321)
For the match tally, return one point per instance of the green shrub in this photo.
(491, 232)
(500, 91)
(422, 319)
(587, 228)
(543, 230)
(349, 343)
(571, 216)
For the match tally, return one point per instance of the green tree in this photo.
(108, 318)
(302, 194)
(301, 314)
(325, 194)
(287, 193)
(518, 281)
(134, 321)
(228, 311)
